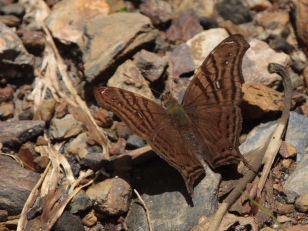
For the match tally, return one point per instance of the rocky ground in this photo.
(68, 164)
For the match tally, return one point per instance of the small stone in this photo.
(118, 148)
(111, 197)
(182, 60)
(6, 94)
(284, 208)
(234, 10)
(42, 161)
(6, 110)
(80, 142)
(287, 163)
(122, 130)
(255, 63)
(103, 117)
(301, 203)
(258, 5)
(287, 150)
(157, 10)
(10, 20)
(129, 77)
(151, 65)
(89, 219)
(208, 23)
(41, 141)
(3, 215)
(94, 160)
(34, 41)
(135, 141)
(184, 26)
(61, 109)
(80, 202)
(203, 43)
(65, 128)
(283, 219)
(14, 9)
(67, 221)
(47, 109)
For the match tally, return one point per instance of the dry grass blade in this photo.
(276, 137)
(257, 162)
(146, 210)
(50, 191)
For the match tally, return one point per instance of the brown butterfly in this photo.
(204, 127)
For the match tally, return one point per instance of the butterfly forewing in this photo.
(212, 98)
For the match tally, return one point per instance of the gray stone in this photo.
(165, 194)
(16, 184)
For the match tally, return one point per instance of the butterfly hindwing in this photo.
(212, 98)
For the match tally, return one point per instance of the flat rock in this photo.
(67, 19)
(256, 60)
(164, 192)
(18, 132)
(297, 133)
(16, 62)
(150, 64)
(129, 77)
(203, 43)
(234, 10)
(16, 184)
(65, 127)
(107, 39)
(111, 196)
(257, 137)
(158, 11)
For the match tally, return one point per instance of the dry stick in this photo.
(276, 140)
(146, 209)
(257, 163)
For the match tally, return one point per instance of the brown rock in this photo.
(111, 197)
(108, 39)
(259, 99)
(150, 64)
(184, 26)
(16, 184)
(67, 19)
(299, 11)
(18, 132)
(255, 63)
(118, 148)
(27, 154)
(122, 130)
(3, 216)
(287, 150)
(33, 40)
(6, 94)
(10, 20)
(287, 163)
(65, 128)
(41, 161)
(80, 142)
(47, 109)
(296, 228)
(103, 117)
(157, 10)
(234, 29)
(203, 43)
(89, 219)
(15, 60)
(304, 109)
(61, 109)
(128, 77)
(284, 208)
(301, 203)
(258, 5)
(6, 110)
(181, 61)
